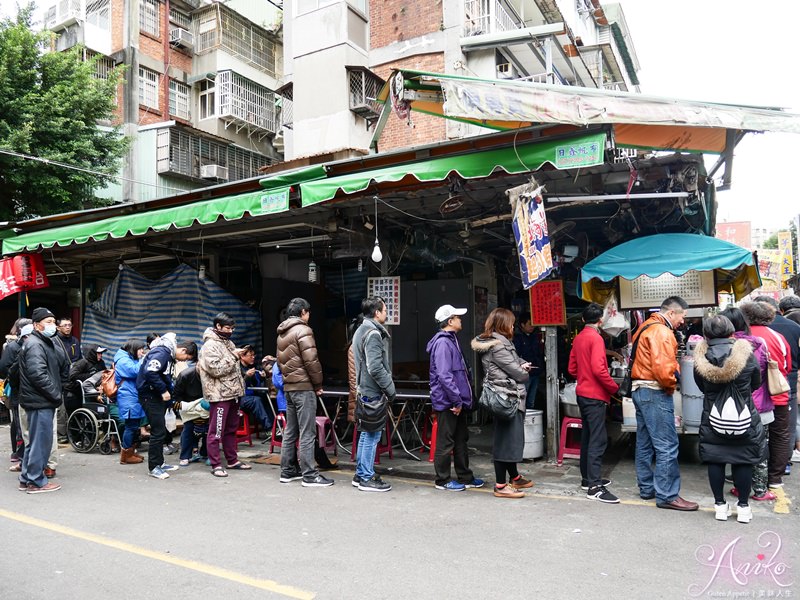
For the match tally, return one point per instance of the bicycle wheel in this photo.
(82, 430)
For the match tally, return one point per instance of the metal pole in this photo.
(82, 283)
(551, 369)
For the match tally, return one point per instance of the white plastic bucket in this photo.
(534, 434)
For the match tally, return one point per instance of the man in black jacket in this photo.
(43, 372)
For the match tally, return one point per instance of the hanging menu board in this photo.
(547, 303)
(387, 288)
(696, 287)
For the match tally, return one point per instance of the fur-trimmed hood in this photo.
(481, 345)
(721, 361)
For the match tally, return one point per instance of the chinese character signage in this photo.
(530, 233)
(769, 266)
(580, 154)
(786, 257)
(274, 202)
(547, 303)
(387, 288)
(21, 273)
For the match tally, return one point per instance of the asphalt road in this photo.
(113, 532)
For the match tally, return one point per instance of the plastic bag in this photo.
(614, 321)
(170, 420)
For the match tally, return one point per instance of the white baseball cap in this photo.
(443, 313)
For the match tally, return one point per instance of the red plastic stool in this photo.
(382, 448)
(280, 421)
(434, 433)
(243, 433)
(325, 437)
(569, 446)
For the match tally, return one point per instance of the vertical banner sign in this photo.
(769, 266)
(787, 257)
(530, 232)
(8, 285)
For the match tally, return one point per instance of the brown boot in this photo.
(127, 457)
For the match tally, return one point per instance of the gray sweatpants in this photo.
(301, 419)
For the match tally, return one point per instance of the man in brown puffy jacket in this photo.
(654, 378)
(302, 383)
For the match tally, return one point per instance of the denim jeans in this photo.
(40, 436)
(365, 457)
(531, 387)
(193, 433)
(301, 421)
(656, 438)
(52, 461)
(131, 432)
(254, 406)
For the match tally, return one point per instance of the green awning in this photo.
(289, 178)
(204, 212)
(580, 151)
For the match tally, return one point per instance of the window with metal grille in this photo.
(218, 27)
(148, 88)
(364, 88)
(98, 13)
(245, 102)
(179, 94)
(180, 18)
(179, 152)
(208, 105)
(149, 21)
(287, 106)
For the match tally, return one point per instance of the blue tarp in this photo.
(675, 253)
(133, 306)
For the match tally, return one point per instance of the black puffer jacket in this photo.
(43, 372)
(716, 364)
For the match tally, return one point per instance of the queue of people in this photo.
(745, 423)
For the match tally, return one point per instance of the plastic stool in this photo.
(434, 433)
(382, 448)
(325, 437)
(280, 421)
(243, 433)
(570, 448)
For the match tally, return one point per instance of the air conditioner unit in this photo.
(181, 37)
(214, 172)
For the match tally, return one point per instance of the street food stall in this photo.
(641, 273)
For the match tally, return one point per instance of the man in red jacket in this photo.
(587, 363)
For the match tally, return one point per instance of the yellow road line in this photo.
(263, 584)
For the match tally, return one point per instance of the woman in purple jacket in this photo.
(761, 396)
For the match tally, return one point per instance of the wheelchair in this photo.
(92, 426)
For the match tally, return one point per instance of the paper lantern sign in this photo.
(22, 273)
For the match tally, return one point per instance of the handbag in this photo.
(108, 383)
(502, 405)
(371, 412)
(776, 381)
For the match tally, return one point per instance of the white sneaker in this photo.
(722, 511)
(795, 456)
(744, 514)
(159, 473)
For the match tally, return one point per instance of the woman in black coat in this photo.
(726, 368)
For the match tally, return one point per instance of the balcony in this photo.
(184, 154)
(487, 16)
(64, 13)
(244, 104)
(85, 22)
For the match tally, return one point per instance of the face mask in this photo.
(225, 335)
(50, 330)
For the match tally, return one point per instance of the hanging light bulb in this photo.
(312, 271)
(360, 265)
(377, 255)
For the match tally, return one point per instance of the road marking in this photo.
(263, 584)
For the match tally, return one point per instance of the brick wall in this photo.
(398, 20)
(425, 129)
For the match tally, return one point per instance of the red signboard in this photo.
(547, 303)
(22, 273)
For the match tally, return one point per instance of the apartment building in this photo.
(359, 42)
(199, 96)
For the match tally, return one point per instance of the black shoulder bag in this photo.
(627, 383)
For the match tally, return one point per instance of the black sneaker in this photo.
(290, 477)
(599, 492)
(376, 484)
(585, 484)
(356, 481)
(318, 481)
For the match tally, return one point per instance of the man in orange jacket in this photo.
(654, 378)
